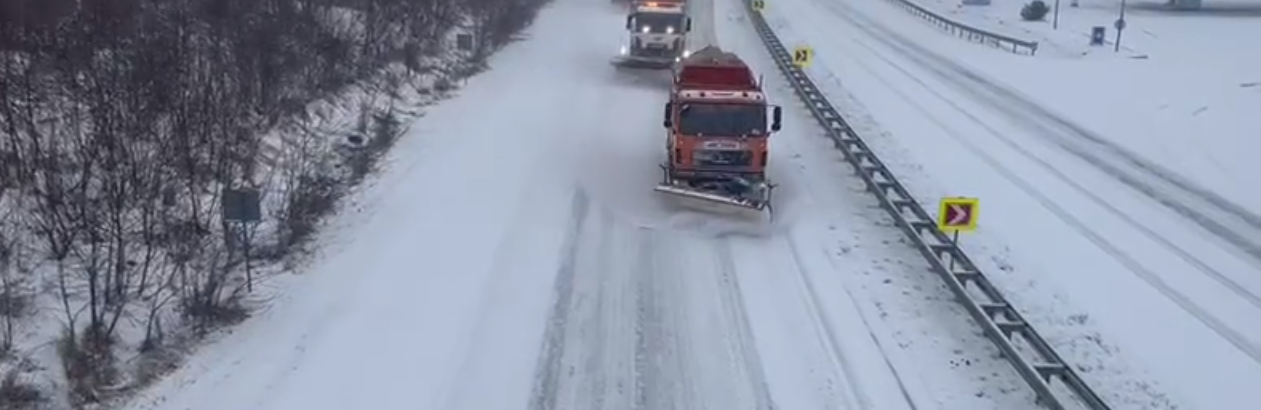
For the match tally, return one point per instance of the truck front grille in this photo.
(653, 52)
(721, 159)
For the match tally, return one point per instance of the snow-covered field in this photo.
(1150, 29)
(1119, 207)
(511, 255)
(1182, 92)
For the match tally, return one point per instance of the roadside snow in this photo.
(888, 323)
(1196, 121)
(401, 311)
(1151, 30)
(1075, 212)
(1186, 101)
(325, 126)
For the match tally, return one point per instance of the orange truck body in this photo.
(716, 119)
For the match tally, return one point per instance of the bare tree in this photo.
(122, 120)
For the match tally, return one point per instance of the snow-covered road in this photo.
(1110, 250)
(512, 256)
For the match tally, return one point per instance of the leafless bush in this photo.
(88, 363)
(17, 393)
(15, 303)
(314, 195)
(16, 296)
(496, 22)
(121, 122)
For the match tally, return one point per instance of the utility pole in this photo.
(1120, 26)
(1055, 19)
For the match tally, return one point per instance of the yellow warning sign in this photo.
(958, 214)
(759, 5)
(802, 56)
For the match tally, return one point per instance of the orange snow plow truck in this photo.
(717, 135)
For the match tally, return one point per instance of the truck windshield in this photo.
(722, 119)
(658, 22)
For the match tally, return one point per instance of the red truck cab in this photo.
(716, 119)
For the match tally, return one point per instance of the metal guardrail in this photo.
(1030, 354)
(969, 32)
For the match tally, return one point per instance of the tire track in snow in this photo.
(812, 294)
(549, 370)
(694, 345)
(651, 336)
(1154, 280)
(734, 304)
(740, 344)
(834, 385)
(600, 293)
(632, 326)
(647, 333)
(661, 353)
(832, 345)
(828, 335)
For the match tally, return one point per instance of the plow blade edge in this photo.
(645, 64)
(713, 203)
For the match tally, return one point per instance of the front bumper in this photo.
(649, 53)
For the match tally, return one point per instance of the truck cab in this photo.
(715, 132)
(717, 121)
(717, 135)
(657, 33)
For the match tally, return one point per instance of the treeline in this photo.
(122, 120)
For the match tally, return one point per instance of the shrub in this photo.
(16, 393)
(1034, 11)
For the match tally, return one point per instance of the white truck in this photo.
(658, 35)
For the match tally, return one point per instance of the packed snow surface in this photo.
(1118, 203)
(512, 255)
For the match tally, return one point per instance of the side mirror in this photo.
(777, 118)
(668, 122)
(629, 22)
(687, 25)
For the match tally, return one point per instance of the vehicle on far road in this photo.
(658, 32)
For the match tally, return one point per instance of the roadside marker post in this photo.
(803, 56)
(957, 214)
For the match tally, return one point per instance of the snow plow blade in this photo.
(646, 64)
(716, 204)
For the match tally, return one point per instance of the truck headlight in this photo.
(669, 29)
(643, 29)
(623, 51)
